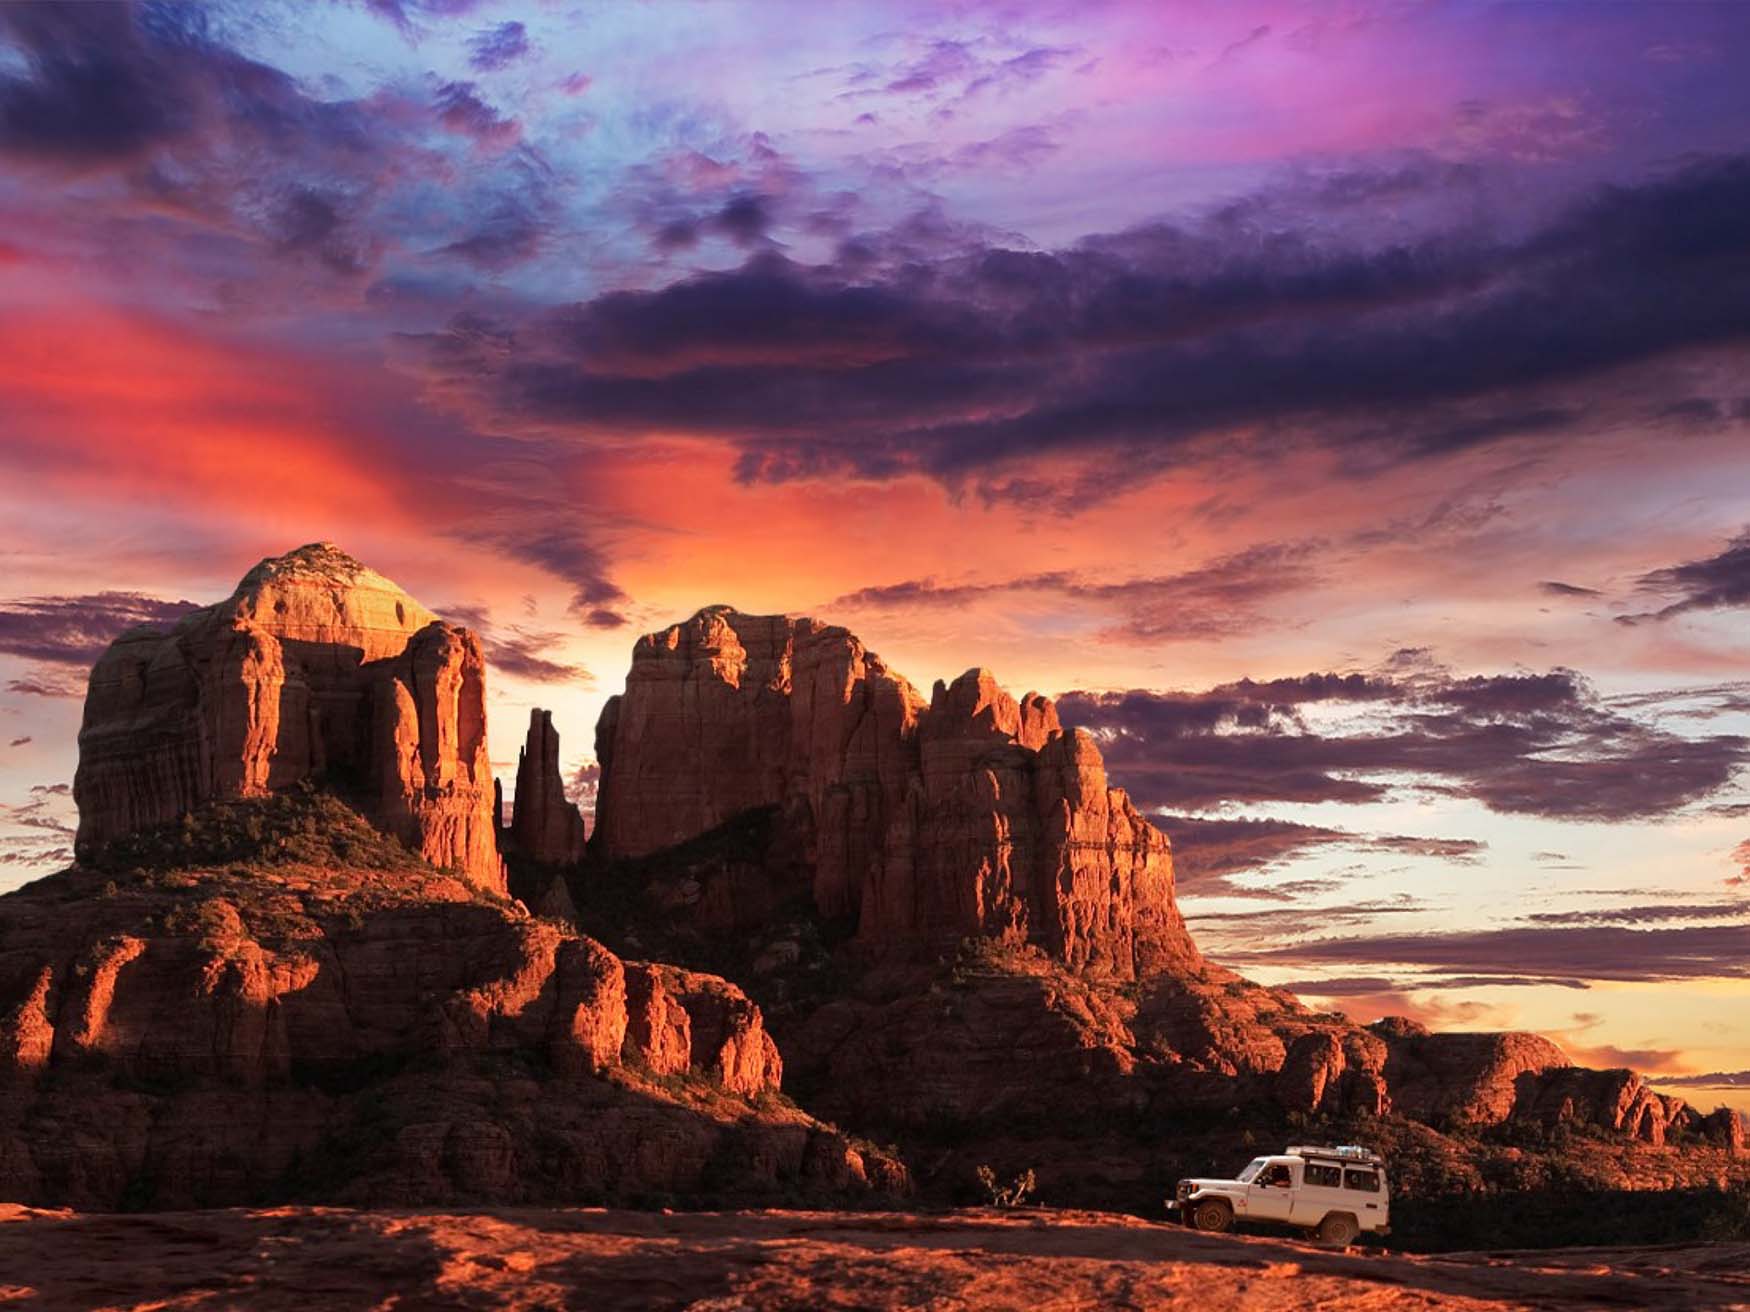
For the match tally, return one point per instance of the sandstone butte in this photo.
(315, 667)
(972, 831)
(275, 997)
(247, 991)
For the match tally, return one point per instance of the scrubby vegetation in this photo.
(1013, 1194)
(303, 826)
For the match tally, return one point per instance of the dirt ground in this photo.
(1041, 1261)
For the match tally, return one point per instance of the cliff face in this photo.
(972, 815)
(381, 1032)
(314, 669)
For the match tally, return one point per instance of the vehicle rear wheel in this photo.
(1339, 1228)
(1212, 1214)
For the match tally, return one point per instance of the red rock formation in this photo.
(215, 1034)
(315, 668)
(545, 827)
(975, 815)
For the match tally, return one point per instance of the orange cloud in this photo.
(133, 408)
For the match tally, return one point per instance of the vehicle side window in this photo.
(1324, 1177)
(1277, 1177)
(1366, 1181)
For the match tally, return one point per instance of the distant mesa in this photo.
(315, 669)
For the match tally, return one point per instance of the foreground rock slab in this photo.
(764, 1261)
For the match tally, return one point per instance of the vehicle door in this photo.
(1320, 1192)
(1366, 1187)
(1270, 1196)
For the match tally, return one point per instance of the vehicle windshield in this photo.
(1252, 1168)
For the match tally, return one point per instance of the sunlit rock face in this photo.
(315, 669)
(970, 815)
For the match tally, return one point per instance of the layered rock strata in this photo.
(971, 815)
(315, 669)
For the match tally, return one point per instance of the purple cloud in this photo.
(76, 630)
(498, 47)
(1523, 744)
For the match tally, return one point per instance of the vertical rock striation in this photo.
(315, 668)
(971, 815)
(545, 827)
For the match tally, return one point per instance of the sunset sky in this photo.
(1342, 407)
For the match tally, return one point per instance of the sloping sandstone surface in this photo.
(1027, 1261)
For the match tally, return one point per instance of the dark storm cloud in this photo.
(190, 129)
(1150, 339)
(1555, 954)
(75, 630)
(744, 219)
(97, 88)
(1539, 744)
(1710, 583)
(105, 84)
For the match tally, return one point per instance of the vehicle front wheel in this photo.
(1212, 1214)
(1339, 1229)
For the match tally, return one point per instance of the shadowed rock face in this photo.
(384, 1033)
(972, 815)
(545, 827)
(316, 668)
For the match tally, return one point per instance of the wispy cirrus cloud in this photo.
(1601, 953)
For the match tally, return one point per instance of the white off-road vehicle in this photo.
(1334, 1192)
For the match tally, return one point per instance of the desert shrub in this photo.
(1013, 1194)
(1730, 1218)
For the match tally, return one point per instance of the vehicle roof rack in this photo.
(1346, 1152)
